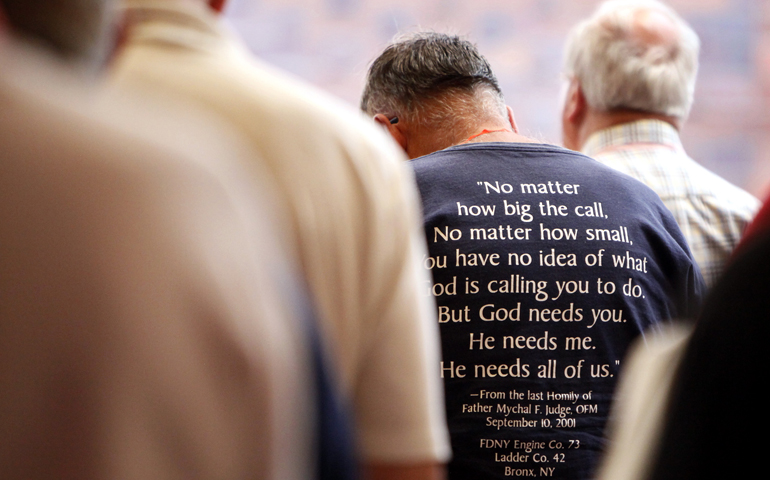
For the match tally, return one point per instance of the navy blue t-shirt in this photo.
(546, 265)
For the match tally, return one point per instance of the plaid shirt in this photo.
(711, 212)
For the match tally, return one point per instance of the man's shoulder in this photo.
(316, 135)
(316, 110)
(46, 101)
(723, 194)
(518, 155)
(54, 121)
(290, 122)
(674, 174)
(528, 161)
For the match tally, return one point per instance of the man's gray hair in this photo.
(74, 29)
(426, 67)
(618, 69)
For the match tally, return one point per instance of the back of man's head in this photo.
(76, 30)
(636, 55)
(432, 79)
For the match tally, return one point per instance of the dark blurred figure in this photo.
(631, 69)
(684, 398)
(352, 204)
(713, 405)
(513, 225)
(150, 326)
(689, 399)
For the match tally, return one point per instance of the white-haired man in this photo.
(546, 264)
(353, 206)
(632, 69)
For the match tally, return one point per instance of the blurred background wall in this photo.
(331, 42)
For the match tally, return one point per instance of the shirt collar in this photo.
(649, 132)
(179, 22)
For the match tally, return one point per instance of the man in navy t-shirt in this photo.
(546, 264)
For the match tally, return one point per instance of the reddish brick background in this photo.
(330, 43)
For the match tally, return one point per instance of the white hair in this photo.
(617, 69)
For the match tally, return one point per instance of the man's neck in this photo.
(490, 132)
(493, 133)
(600, 120)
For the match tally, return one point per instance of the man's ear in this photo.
(395, 129)
(575, 102)
(217, 5)
(573, 114)
(512, 120)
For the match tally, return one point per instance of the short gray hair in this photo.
(617, 70)
(74, 29)
(425, 67)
